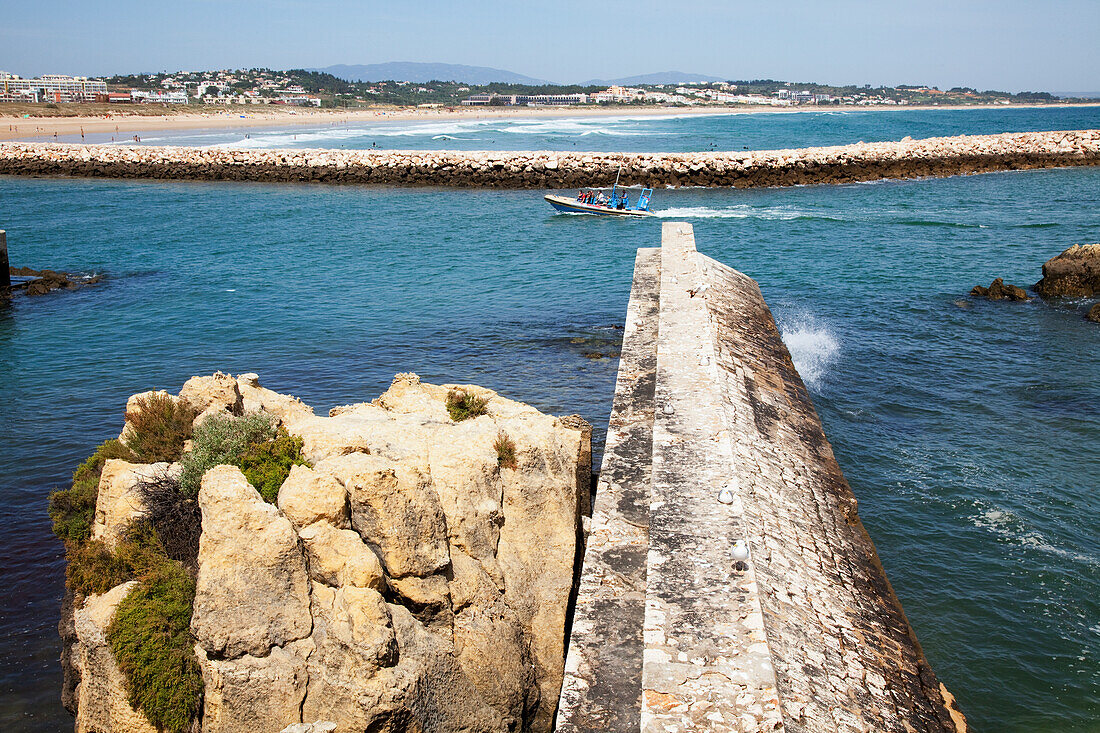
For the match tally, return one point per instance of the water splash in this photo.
(813, 349)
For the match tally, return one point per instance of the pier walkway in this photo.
(728, 583)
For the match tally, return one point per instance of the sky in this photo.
(987, 44)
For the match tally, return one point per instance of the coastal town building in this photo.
(512, 100)
(52, 87)
(148, 97)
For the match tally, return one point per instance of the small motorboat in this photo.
(595, 201)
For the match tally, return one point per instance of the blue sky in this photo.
(1013, 45)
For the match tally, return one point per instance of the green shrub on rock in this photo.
(159, 428)
(150, 638)
(93, 569)
(73, 509)
(266, 465)
(222, 440)
(461, 405)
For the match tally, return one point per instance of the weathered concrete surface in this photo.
(602, 685)
(766, 606)
(943, 156)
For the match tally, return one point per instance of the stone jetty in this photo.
(908, 158)
(728, 583)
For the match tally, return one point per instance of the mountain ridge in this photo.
(421, 72)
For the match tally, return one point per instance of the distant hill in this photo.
(420, 73)
(661, 77)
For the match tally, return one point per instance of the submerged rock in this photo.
(998, 290)
(402, 581)
(1075, 273)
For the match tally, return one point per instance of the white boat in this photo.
(614, 206)
(594, 201)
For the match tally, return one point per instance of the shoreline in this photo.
(37, 129)
(907, 158)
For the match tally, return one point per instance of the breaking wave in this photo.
(813, 349)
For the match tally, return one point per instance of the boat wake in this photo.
(734, 212)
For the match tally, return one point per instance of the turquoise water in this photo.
(970, 435)
(674, 133)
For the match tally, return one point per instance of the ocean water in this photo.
(633, 133)
(969, 430)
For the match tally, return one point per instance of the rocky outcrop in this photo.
(40, 282)
(101, 702)
(1075, 273)
(404, 579)
(907, 158)
(998, 290)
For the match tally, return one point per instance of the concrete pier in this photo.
(5, 272)
(728, 583)
(908, 158)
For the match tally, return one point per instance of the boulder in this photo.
(998, 290)
(101, 701)
(252, 591)
(1093, 314)
(308, 496)
(119, 501)
(252, 694)
(394, 508)
(338, 557)
(215, 394)
(1075, 273)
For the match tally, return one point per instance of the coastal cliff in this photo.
(908, 158)
(403, 564)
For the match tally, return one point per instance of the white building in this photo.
(53, 87)
(144, 97)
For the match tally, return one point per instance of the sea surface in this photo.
(632, 133)
(969, 429)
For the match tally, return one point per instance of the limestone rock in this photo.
(998, 290)
(211, 395)
(252, 592)
(319, 726)
(119, 500)
(406, 580)
(308, 496)
(251, 694)
(338, 557)
(1075, 273)
(394, 508)
(101, 694)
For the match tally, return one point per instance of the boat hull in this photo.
(572, 206)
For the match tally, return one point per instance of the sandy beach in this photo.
(124, 125)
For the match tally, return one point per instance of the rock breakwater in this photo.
(908, 158)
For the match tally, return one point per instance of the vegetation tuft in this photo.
(462, 405)
(73, 509)
(223, 440)
(266, 465)
(506, 451)
(150, 637)
(159, 428)
(174, 516)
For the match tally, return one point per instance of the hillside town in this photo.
(318, 89)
